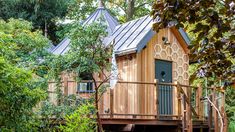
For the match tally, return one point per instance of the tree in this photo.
(20, 88)
(42, 13)
(87, 56)
(132, 8)
(27, 48)
(212, 23)
(18, 97)
(92, 57)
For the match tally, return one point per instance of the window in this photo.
(85, 87)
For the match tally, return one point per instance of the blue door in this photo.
(163, 72)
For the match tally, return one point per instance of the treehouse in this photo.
(152, 91)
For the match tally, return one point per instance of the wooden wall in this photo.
(125, 95)
(141, 98)
(154, 50)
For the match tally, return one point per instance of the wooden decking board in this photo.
(152, 122)
(141, 122)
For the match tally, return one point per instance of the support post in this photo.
(111, 103)
(225, 127)
(189, 111)
(184, 119)
(199, 104)
(179, 100)
(157, 101)
(210, 115)
(215, 114)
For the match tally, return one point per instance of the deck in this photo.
(157, 105)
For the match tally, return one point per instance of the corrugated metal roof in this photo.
(51, 47)
(101, 15)
(132, 36)
(128, 38)
(62, 47)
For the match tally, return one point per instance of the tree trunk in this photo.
(45, 28)
(130, 9)
(99, 128)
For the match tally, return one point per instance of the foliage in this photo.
(42, 13)
(231, 127)
(21, 54)
(132, 9)
(230, 103)
(213, 47)
(81, 120)
(86, 56)
(93, 57)
(54, 114)
(20, 45)
(18, 97)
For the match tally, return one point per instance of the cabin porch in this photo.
(145, 106)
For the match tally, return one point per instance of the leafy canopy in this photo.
(42, 13)
(22, 46)
(20, 88)
(18, 97)
(212, 23)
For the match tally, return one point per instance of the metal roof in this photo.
(51, 47)
(127, 38)
(133, 36)
(102, 16)
(62, 47)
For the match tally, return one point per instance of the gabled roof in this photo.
(101, 15)
(133, 36)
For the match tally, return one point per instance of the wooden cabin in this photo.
(153, 87)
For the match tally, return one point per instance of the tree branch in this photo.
(143, 4)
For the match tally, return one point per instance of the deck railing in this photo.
(156, 100)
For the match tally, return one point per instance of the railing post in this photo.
(111, 103)
(179, 100)
(157, 101)
(184, 118)
(189, 111)
(199, 104)
(215, 114)
(224, 113)
(210, 114)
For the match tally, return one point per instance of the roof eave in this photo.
(126, 52)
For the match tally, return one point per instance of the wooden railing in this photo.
(144, 100)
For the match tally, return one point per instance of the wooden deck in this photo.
(190, 111)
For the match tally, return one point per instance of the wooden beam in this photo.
(189, 109)
(199, 103)
(141, 122)
(215, 114)
(179, 100)
(111, 103)
(210, 116)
